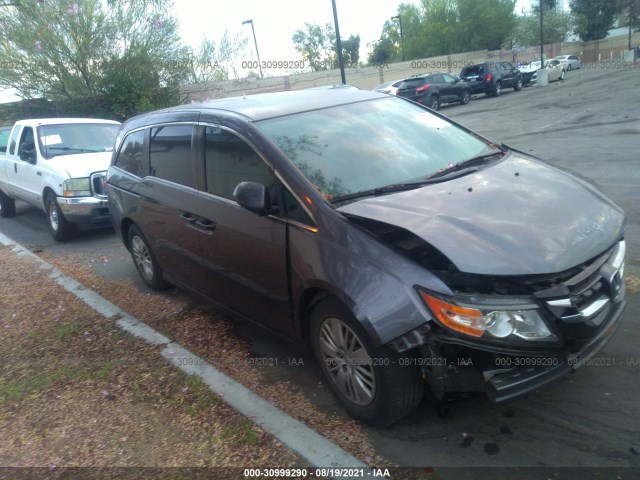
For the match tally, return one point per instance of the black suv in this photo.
(434, 89)
(491, 77)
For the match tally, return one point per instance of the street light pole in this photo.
(338, 43)
(541, 36)
(399, 18)
(255, 42)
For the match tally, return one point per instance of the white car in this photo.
(570, 62)
(530, 71)
(389, 87)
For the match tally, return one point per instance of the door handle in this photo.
(206, 225)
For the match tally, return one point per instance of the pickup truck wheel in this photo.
(374, 384)
(144, 259)
(7, 206)
(61, 229)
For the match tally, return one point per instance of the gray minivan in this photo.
(404, 249)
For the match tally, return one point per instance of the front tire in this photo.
(60, 228)
(7, 206)
(372, 383)
(144, 259)
(518, 85)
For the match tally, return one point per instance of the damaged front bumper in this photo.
(522, 380)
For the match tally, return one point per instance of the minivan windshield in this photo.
(73, 138)
(361, 146)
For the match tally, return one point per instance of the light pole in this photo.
(541, 36)
(338, 43)
(255, 42)
(399, 18)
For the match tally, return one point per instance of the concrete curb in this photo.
(317, 450)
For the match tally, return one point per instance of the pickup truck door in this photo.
(23, 172)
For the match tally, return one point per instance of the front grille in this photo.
(580, 303)
(97, 185)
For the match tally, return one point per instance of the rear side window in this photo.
(170, 153)
(229, 160)
(130, 156)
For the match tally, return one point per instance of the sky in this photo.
(276, 21)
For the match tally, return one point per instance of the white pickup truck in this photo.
(58, 165)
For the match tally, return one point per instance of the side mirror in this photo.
(28, 156)
(253, 197)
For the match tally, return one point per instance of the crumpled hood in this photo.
(81, 164)
(517, 217)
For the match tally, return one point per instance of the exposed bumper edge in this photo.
(90, 210)
(524, 380)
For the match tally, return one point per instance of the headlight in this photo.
(76, 187)
(513, 319)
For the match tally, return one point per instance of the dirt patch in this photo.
(77, 391)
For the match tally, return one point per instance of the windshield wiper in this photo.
(461, 168)
(73, 149)
(472, 164)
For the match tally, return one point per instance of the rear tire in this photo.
(466, 96)
(60, 228)
(7, 206)
(561, 75)
(434, 102)
(373, 384)
(144, 259)
(497, 89)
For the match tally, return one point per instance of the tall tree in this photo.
(56, 49)
(441, 27)
(629, 11)
(594, 18)
(557, 25)
(317, 44)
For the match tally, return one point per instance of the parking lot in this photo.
(588, 124)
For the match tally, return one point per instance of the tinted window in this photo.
(4, 138)
(229, 160)
(436, 79)
(14, 141)
(170, 153)
(473, 70)
(364, 145)
(448, 78)
(27, 141)
(412, 83)
(130, 156)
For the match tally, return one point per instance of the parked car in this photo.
(388, 87)
(404, 249)
(58, 165)
(570, 62)
(529, 72)
(491, 78)
(556, 69)
(434, 89)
